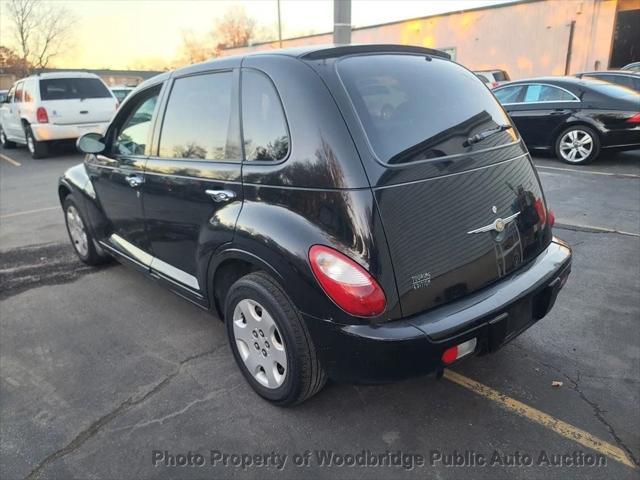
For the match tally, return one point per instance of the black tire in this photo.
(580, 130)
(36, 148)
(90, 256)
(3, 140)
(304, 376)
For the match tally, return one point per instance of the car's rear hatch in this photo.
(458, 213)
(82, 100)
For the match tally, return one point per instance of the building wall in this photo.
(528, 38)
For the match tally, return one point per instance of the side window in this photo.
(263, 123)
(196, 121)
(18, 96)
(27, 94)
(546, 93)
(132, 135)
(510, 94)
(10, 94)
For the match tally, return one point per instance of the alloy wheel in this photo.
(31, 143)
(576, 146)
(3, 137)
(259, 343)
(77, 231)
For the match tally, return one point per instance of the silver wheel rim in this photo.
(576, 146)
(259, 343)
(30, 143)
(3, 138)
(77, 232)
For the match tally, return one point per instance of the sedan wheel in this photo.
(259, 343)
(577, 145)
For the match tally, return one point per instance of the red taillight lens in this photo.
(552, 218)
(41, 115)
(634, 119)
(452, 354)
(349, 285)
(540, 210)
(494, 84)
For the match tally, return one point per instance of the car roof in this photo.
(559, 80)
(44, 76)
(612, 72)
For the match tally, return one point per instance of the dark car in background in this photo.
(364, 213)
(574, 117)
(624, 78)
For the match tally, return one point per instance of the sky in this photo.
(147, 34)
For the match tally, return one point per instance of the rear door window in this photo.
(266, 137)
(414, 107)
(72, 88)
(197, 118)
(19, 90)
(547, 93)
(513, 94)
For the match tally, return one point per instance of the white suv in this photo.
(54, 106)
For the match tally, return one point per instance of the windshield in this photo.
(68, 88)
(415, 108)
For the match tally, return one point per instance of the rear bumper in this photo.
(44, 132)
(414, 345)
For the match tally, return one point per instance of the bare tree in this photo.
(236, 28)
(41, 30)
(10, 62)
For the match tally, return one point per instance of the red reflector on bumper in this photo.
(452, 354)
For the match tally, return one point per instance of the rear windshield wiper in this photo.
(478, 137)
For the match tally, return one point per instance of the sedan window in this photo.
(546, 93)
(510, 94)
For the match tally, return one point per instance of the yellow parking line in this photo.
(568, 431)
(10, 160)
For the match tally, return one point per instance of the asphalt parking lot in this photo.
(105, 374)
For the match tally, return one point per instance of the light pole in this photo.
(342, 21)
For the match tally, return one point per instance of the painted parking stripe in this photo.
(592, 229)
(28, 212)
(588, 172)
(13, 162)
(562, 428)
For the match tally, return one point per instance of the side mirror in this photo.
(91, 143)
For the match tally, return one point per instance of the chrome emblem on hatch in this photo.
(498, 225)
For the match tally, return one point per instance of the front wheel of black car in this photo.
(577, 145)
(79, 235)
(270, 342)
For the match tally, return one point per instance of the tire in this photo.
(3, 140)
(577, 145)
(36, 148)
(287, 342)
(76, 226)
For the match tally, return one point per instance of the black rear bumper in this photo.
(414, 345)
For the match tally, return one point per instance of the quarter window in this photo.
(264, 126)
(546, 93)
(133, 135)
(197, 118)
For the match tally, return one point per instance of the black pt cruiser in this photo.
(364, 213)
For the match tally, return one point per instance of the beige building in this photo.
(526, 38)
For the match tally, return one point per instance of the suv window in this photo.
(264, 126)
(10, 94)
(69, 88)
(18, 96)
(133, 134)
(546, 93)
(196, 121)
(414, 107)
(27, 94)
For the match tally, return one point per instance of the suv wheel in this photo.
(270, 342)
(577, 145)
(37, 149)
(4, 141)
(79, 235)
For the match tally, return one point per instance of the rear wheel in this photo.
(270, 342)
(80, 237)
(577, 145)
(36, 148)
(4, 141)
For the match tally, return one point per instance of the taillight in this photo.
(634, 119)
(551, 217)
(452, 354)
(494, 84)
(540, 210)
(41, 115)
(349, 285)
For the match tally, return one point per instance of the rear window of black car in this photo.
(415, 108)
(70, 88)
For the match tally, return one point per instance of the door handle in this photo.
(221, 195)
(134, 181)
